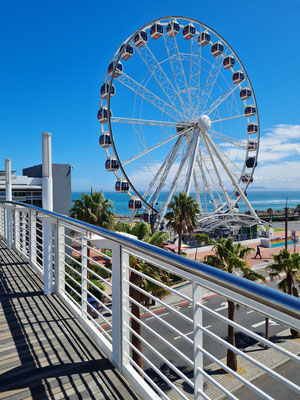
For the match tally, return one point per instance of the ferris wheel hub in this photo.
(204, 123)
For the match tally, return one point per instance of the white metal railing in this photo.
(161, 318)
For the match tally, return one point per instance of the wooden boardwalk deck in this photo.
(44, 353)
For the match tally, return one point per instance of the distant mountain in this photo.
(266, 189)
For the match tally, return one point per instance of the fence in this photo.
(161, 319)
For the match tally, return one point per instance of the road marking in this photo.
(190, 306)
(249, 312)
(271, 323)
(208, 326)
(184, 334)
(224, 305)
(166, 313)
(149, 318)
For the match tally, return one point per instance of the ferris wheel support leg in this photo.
(206, 183)
(167, 170)
(228, 202)
(192, 164)
(175, 181)
(234, 182)
(197, 192)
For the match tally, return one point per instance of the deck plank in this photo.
(44, 352)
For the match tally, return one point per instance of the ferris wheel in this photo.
(178, 113)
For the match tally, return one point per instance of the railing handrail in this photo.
(262, 294)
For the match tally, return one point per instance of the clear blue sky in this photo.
(54, 55)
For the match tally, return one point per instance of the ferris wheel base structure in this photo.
(178, 113)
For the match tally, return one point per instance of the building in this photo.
(28, 188)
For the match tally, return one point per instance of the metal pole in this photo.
(8, 197)
(286, 223)
(47, 198)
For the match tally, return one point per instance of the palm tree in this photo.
(95, 209)
(182, 217)
(230, 257)
(199, 238)
(270, 212)
(287, 263)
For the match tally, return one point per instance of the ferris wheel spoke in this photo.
(156, 146)
(177, 175)
(209, 84)
(230, 175)
(225, 138)
(178, 73)
(220, 100)
(193, 155)
(228, 118)
(146, 94)
(158, 73)
(139, 121)
(228, 160)
(196, 73)
(167, 167)
(221, 184)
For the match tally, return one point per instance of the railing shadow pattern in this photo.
(44, 352)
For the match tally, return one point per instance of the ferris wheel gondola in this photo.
(184, 123)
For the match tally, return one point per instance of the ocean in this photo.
(260, 200)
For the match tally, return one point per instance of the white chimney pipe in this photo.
(47, 172)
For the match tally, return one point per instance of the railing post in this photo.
(120, 260)
(60, 266)
(47, 256)
(84, 277)
(32, 238)
(198, 341)
(9, 229)
(17, 228)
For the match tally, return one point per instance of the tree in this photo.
(287, 263)
(200, 238)
(230, 257)
(270, 212)
(95, 209)
(182, 217)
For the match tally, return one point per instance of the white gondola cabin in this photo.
(228, 62)
(146, 217)
(217, 49)
(245, 94)
(246, 179)
(127, 51)
(156, 31)
(204, 38)
(252, 146)
(250, 110)
(118, 70)
(238, 77)
(173, 28)
(189, 31)
(141, 39)
(122, 186)
(134, 204)
(250, 162)
(111, 164)
(252, 128)
(105, 140)
(105, 90)
(102, 115)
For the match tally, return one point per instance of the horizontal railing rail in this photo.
(153, 312)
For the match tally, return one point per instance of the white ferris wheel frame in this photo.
(194, 144)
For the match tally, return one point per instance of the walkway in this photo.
(44, 353)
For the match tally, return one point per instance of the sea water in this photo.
(260, 200)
